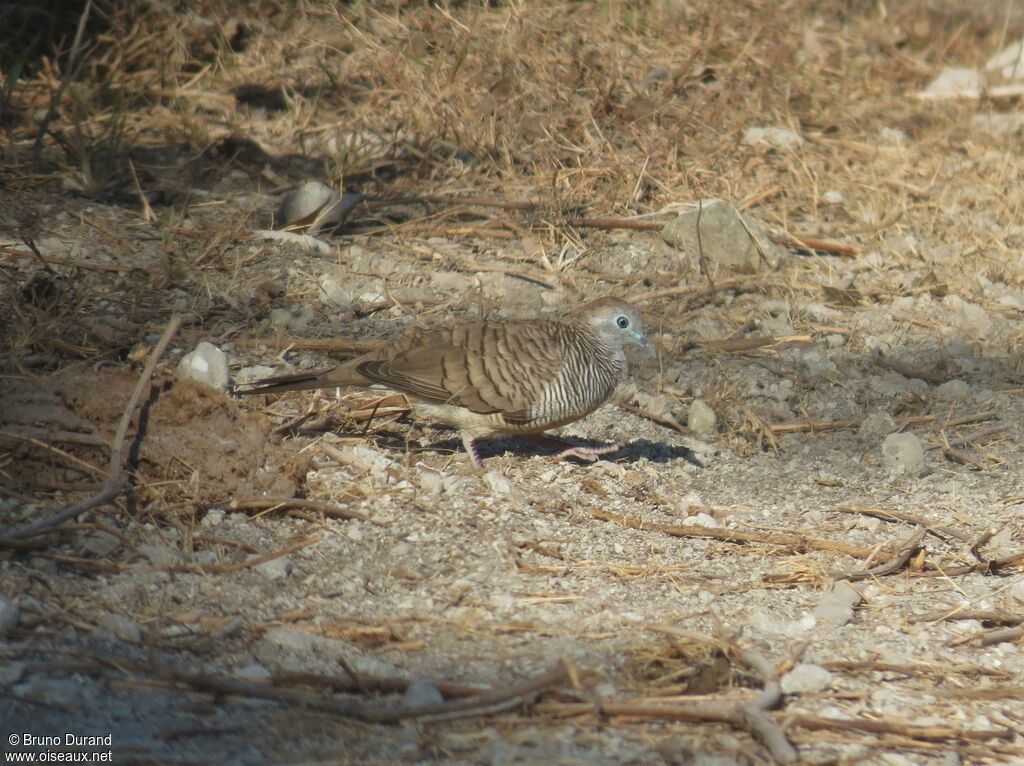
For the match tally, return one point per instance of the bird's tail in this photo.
(300, 381)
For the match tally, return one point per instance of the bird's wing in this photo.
(485, 367)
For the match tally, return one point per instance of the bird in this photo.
(494, 378)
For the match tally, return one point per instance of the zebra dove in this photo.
(498, 378)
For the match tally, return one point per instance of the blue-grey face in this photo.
(619, 324)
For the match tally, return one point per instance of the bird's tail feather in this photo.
(300, 381)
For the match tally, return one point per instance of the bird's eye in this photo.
(622, 322)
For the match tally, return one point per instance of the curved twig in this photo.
(118, 452)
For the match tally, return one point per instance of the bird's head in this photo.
(616, 323)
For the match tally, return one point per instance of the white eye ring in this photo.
(622, 322)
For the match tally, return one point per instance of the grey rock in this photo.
(497, 483)
(290, 638)
(903, 454)
(876, 425)
(836, 606)
(99, 544)
(213, 517)
(805, 678)
(74, 691)
(970, 318)
(11, 672)
(893, 136)
(701, 419)
(777, 138)
(10, 615)
(295, 318)
(703, 520)
(1009, 62)
(275, 569)
(207, 364)
(159, 555)
(372, 667)
(253, 672)
(119, 626)
(724, 238)
(331, 293)
(421, 692)
(956, 82)
(953, 389)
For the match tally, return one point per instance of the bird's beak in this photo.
(646, 345)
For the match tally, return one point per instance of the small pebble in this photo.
(10, 615)
(876, 425)
(119, 626)
(778, 138)
(903, 454)
(497, 483)
(836, 606)
(421, 692)
(806, 678)
(206, 364)
(953, 389)
(275, 569)
(253, 672)
(956, 82)
(701, 419)
(213, 517)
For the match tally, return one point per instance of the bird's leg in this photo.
(567, 450)
(470, 445)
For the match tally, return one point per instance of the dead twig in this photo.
(792, 540)
(902, 728)
(886, 515)
(331, 510)
(895, 564)
(483, 703)
(119, 452)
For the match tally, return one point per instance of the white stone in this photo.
(970, 318)
(275, 569)
(497, 483)
(701, 418)
(213, 517)
(893, 136)
(806, 678)
(703, 520)
(953, 389)
(119, 626)
(778, 138)
(253, 672)
(10, 615)
(836, 606)
(420, 693)
(876, 424)
(833, 197)
(430, 481)
(206, 364)
(903, 454)
(331, 293)
(957, 82)
(1009, 62)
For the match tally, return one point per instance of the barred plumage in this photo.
(496, 378)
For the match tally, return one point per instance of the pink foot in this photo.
(470, 446)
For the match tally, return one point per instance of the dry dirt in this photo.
(643, 577)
